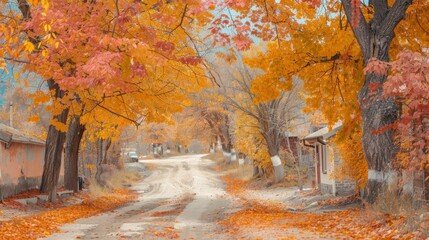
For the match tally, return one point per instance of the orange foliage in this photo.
(350, 223)
(45, 223)
(334, 224)
(234, 186)
(167, 233)
(179, 204)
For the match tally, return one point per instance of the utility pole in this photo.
(11, 113)
(9, 84)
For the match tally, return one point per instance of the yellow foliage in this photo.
(39, 97)
(34, 118)
(59, 125)
(353, 165)
(249, 140)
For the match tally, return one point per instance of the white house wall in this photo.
(327, 184)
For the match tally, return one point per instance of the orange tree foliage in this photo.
(318, 48)
(158, 132)
(206, 119)
(122, 61)
(12, 49)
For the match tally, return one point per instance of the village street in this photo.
(183, 198)
(182, 195)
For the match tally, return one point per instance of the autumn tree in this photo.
(207, 118)
(329, 50)
(146, 45)
(271, 117)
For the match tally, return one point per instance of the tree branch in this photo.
(361, 31)
(394, 16)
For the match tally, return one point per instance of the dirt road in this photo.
(182, 198)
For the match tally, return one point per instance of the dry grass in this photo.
(391, 204)
(217, 157)
(232, 169)
(116, 180)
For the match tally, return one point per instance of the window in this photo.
(321, 152)
(324, 159)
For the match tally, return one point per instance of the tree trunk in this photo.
(226, 148)
(279, 172)
(271, 137)
(53, 149)
(378, 143)
(106, 146)
(103, 146)
(374, 38)
(256, 171)
(99, 161)
(296, 161)
(71, 157)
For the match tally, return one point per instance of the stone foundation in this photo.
(344, 188)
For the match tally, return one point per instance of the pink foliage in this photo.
(410, 84)
(377, 67)
(85, 53)
(208, 4)
(313, 3)
(165, 46)
(191, 60)
(139, 70)
(237, 3)
(242, 42)
(102, 64)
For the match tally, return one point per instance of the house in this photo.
(326, 160)
(290, 140)
(21, 161)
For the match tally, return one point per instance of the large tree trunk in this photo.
(378, 143)
(273, 150)
(269, 124)
(53, 149)
(279, 172)
(71, 157)
(374, 39)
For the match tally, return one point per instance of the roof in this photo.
(289, 134)
(8, 134)
(324, 132)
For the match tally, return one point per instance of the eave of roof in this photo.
(324, 132)
(17, 136)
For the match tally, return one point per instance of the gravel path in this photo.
(182, 198)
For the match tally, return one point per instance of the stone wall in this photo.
(326, 188)
(343, 188)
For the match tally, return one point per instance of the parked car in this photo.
(133, 157)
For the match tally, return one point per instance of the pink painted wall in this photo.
(20, 160)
